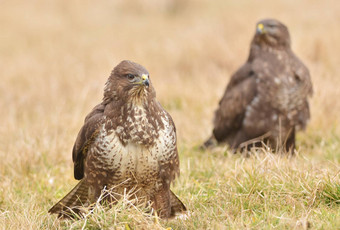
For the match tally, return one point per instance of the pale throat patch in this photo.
(138, 96)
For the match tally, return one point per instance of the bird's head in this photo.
(272, 32)
(129, 81)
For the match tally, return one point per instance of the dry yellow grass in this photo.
(55, 57)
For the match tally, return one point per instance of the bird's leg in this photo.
(161, 201)
(290, 142)
(238, 140)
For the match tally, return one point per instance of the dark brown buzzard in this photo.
(128, 142)
(266, 99)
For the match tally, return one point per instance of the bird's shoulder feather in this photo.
(85, 137)
(239, 93)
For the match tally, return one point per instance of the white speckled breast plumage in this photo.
(132, 163)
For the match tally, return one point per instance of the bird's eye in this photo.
(130, 76)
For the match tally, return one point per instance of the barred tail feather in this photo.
(71, 204)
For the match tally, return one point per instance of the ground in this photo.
(55, 57)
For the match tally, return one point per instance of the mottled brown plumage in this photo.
(127, 142)
(267, 98)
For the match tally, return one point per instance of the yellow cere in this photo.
(144, 77)
(260, 26)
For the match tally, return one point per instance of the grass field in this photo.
(55, 57)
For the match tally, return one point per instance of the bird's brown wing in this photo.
(170, 164)
(302, 74)
(304, 83)
(244, 72)
(86, 136)
(165, 201)
(239, 93)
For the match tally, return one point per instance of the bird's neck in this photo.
(136, 122)
(260, 49)
(138, 97)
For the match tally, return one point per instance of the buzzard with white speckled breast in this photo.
(128, 142)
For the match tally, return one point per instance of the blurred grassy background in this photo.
(55, 57)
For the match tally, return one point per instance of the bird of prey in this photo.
(266, 100)
(128, 142)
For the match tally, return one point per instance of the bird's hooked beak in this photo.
(145, 80)
(260, 29)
